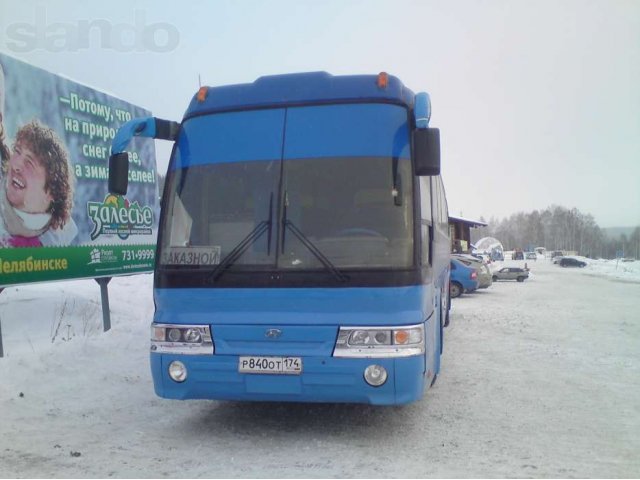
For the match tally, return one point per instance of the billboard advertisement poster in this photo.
(57, 218)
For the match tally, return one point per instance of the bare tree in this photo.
(558, 228)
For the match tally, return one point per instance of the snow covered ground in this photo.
(539, 379)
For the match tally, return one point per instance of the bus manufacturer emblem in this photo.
(273, 333)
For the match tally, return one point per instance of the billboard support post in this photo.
(104, 292)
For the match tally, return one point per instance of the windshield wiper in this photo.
(244, 244)
(313, 249)
(307, 243)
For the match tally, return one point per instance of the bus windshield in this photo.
(290, 202)
(347, 207)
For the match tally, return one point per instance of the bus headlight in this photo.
(192, 335)
(379, 342)
(373, 337)
(174, 335)
(181, 339)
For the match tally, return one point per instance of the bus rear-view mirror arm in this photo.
(150, 127)
(426, 141)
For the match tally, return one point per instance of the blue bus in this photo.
(303, 251)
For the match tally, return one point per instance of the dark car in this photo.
(511, 273)
(572, 262)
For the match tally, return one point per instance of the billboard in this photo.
(57, 219)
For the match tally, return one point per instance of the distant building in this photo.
(460, 232)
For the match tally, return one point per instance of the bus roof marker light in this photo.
(202, 94)
(383, 80)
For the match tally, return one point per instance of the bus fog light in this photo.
(177, 371)
(375, 375)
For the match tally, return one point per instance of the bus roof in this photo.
(299, 89)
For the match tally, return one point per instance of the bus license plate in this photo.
(272, 365)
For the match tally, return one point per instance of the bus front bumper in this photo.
(323, 379)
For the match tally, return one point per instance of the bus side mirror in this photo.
(119, 173)
(426, 151)
(149, 127)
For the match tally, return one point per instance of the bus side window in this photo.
(441, 216)
(426, 218)
(443, 205)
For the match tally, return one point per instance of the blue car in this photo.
(463, 279)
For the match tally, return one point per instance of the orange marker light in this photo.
(402, 337)
(202, 94)
(383, 80)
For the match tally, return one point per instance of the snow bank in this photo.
(628, 271)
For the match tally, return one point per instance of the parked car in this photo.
(572, 262)
(531, 256)
(556, 256)
(518, 254)
(511, 273)
(463, 279)
(480, 256)
(484, 256)
(482, 269)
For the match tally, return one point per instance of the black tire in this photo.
(455, 290)
(495, 278)
(521, 279)
(446, 315)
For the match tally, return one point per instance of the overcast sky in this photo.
(538, 102)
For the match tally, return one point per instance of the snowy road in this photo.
(540, 379)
